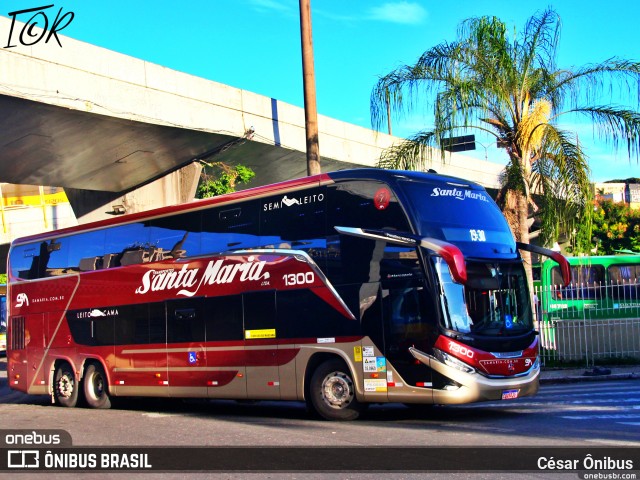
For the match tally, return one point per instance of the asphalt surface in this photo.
(560, 375)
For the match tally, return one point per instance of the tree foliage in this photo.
(616, 227)
(218, 178)
(511, 88)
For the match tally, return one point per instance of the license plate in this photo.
(510, 394)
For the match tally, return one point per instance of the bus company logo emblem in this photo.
(189, 280)
(285, 201)
(382, 198)
(22, 299)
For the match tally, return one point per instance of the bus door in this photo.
(186, 352)
(261, 345)
(406, 325)
(407, 319)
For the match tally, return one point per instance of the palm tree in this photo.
(513, 90)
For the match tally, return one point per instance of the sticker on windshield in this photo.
(382, 198)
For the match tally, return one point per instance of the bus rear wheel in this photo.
(332, 392)
(96, 387)
(65, 387)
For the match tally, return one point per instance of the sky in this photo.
(255, 45)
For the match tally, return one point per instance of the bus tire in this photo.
(332, 392)
(96, 387)
(65, 386)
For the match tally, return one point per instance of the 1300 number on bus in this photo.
(299, 278)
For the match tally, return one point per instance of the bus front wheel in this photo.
(96, 387)
(65, 386)
(332, 392)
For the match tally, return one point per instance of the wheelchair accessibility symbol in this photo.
(193, 358)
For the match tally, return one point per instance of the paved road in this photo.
(604, 412)
(587, 414)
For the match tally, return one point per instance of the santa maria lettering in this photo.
(188, 281)
(459, 194)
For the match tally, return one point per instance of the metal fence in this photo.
(589, 324)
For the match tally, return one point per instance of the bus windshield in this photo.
(464, 216)
(492, 303)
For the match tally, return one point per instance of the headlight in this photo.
(453, 361)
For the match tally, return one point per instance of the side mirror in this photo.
(451, 254)
(557, 256)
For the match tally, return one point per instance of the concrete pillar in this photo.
(175, 188)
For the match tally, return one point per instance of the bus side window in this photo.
(302, 313)
(142, 324)
(176, 236)
(223, 318)
(230, 228)
(586, 283)
(85, 250)
(125, 241)
(185, 320)
(259, 311)
(132, 325)
(353, 204)
(23, 257)
(624, 281)
(91, 331)
(289, 222)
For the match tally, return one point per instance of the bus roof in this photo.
(376, 174)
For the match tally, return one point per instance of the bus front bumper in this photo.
(473, 387)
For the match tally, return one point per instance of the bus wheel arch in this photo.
(65, 386)
(331, 390)
(95, 385)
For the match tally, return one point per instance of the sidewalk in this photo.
(565, 375)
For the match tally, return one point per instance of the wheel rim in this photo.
(65, 386)
(337, 390)
(97, 382)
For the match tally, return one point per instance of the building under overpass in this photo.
(115, 130)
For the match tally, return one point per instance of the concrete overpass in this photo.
(112, 129)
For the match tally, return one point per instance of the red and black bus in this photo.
(341, 289)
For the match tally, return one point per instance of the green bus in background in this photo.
(604, 287)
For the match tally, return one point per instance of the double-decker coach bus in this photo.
(601, 287)
(340, 289)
